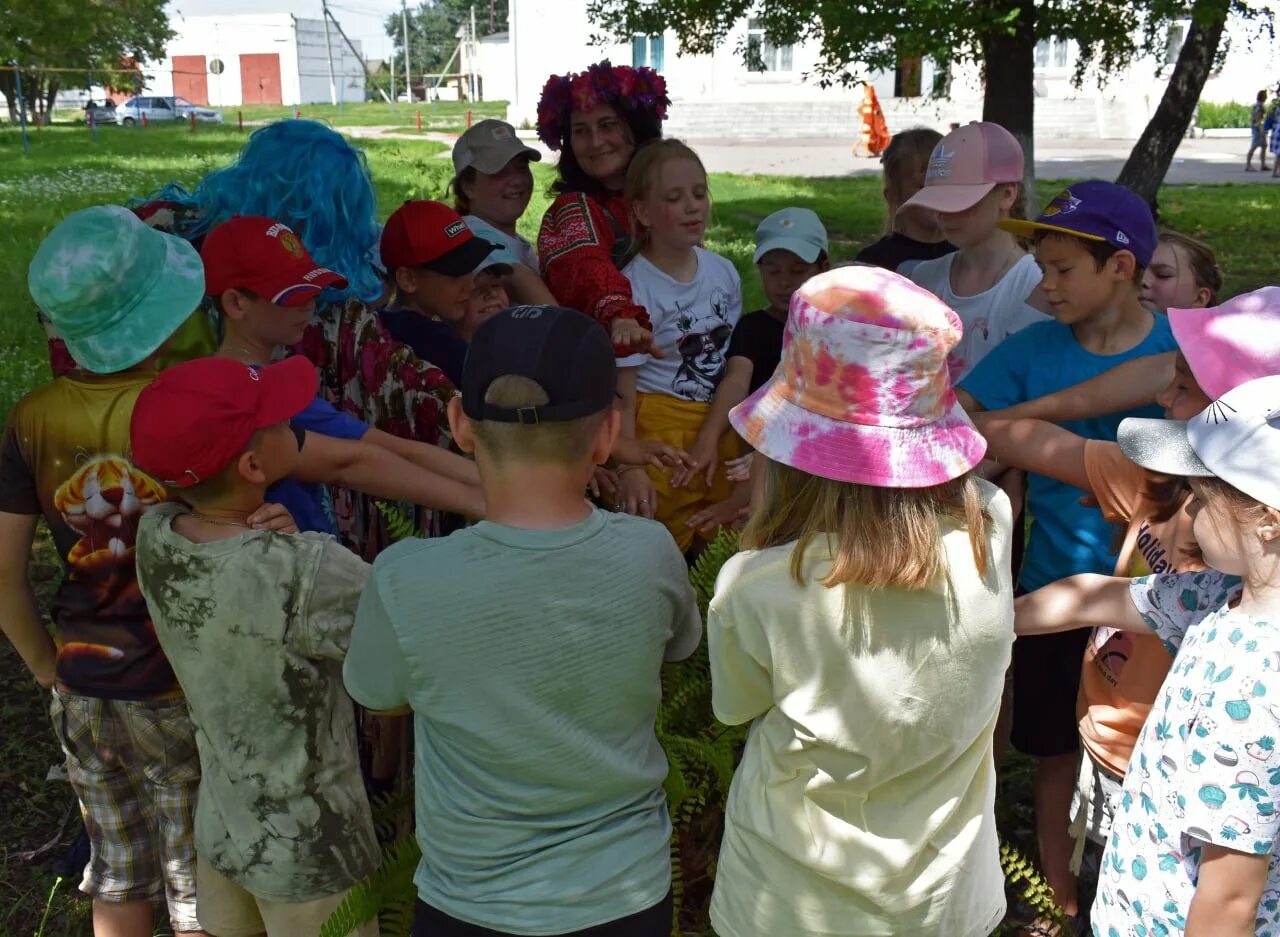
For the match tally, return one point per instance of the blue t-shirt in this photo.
(430, 339)
(309, 502)
(1066, 537)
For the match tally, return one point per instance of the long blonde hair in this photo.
(642, 174)
(882, 537)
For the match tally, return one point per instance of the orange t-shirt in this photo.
(1123, 671)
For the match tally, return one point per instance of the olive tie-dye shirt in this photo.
(256, 628)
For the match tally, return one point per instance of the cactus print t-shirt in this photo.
(1206, 768)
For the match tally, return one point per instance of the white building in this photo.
(720, 95)
(272, 58)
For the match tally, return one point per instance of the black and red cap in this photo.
(432, 235)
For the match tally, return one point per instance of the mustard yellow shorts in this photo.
(678, 422)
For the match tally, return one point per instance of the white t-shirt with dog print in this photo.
(692, 323)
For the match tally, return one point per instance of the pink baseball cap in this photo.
(966, 165)
(863, 393)
(1232, 343)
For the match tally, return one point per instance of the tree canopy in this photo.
(433, 31)
(861, 37)
(100, 37)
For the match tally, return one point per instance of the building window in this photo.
(1054, 53)
(647, 50)
(763, 55)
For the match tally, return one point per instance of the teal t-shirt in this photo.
(532, 661)
(1066, 537)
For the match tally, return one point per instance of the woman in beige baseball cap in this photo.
(492, 185)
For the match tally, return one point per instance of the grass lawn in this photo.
(66, 171)
(439, 115)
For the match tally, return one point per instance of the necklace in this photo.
(214, 520)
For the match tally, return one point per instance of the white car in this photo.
(163, 108)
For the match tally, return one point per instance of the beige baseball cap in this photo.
(489, 146)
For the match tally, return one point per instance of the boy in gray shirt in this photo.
(529, 647)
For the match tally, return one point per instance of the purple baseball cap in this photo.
(1097, 211)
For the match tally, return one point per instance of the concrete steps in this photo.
(1056, 118)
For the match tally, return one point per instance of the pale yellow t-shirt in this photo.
(864, 804)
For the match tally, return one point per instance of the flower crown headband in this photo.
(620, 85)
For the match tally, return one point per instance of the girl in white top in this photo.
(974, 180)
(694, 300)
(864, 632)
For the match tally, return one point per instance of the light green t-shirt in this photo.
(864, 803)
(256, 627)
(532, 661)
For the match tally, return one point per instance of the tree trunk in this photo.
(1149, 160)
(8, 87)
(50, 95)
(1009, 60)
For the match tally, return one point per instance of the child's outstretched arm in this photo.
(724, 513)
(19, 617)
(1228, 892)
(1125, 387)
(432, 458)
(370, 469)
(704, 455)
(1089, 600)
(1035, 446)
(636, 494)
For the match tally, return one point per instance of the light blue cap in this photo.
(797, 230)
(114, 288)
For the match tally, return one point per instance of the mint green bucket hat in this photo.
(114, 288)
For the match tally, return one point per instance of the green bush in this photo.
(1216, 116)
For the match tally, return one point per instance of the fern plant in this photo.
(386, 896)
(1021, 875)
(400, 523)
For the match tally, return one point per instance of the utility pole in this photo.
(404, 21)
(472, 49)
(328, 51)
(352, 46)
(392, 72)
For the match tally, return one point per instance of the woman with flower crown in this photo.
(597, 119)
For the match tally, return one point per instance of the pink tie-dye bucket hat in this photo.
(863, 393)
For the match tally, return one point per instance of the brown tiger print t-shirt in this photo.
(65, 456)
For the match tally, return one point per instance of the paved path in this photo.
(1212, 160)
(1204, 161)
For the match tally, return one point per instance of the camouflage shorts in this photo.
(135, 768)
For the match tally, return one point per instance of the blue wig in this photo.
(309, 177)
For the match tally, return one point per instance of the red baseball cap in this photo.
(194, 419)
(249, 252)
(434, 236)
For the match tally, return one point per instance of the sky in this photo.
(362, 20)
